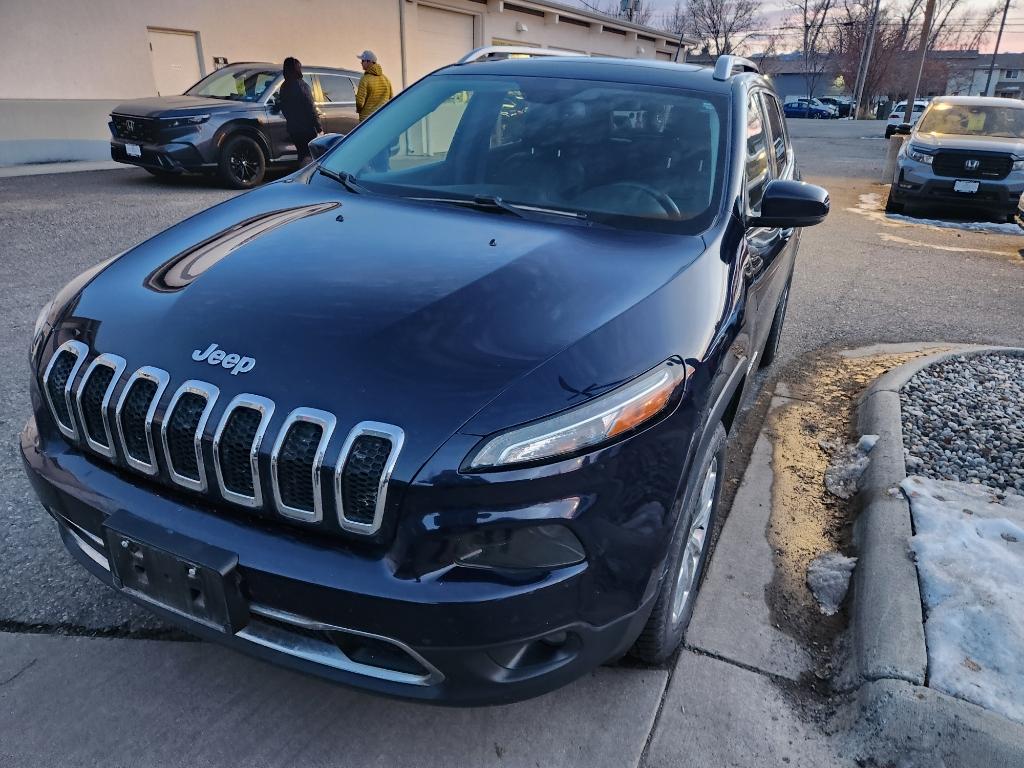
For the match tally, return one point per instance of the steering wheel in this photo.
(632, 188)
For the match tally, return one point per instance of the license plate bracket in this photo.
(175, 572)
(967, 187)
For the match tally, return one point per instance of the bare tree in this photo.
(813, 15)
(723, 26)
(636, 11)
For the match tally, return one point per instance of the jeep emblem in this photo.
(214, 356)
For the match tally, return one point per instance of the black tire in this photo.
(771, 344)
(892, 205)
(668, 621)
(242, 163)
(889, 131)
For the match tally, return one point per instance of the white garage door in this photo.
(175, 58)
(442, 37)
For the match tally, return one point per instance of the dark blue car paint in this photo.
(405, 312)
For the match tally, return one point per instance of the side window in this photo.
(777, 125)
(757, 174)
(337, 88)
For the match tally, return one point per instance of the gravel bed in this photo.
(963, 419)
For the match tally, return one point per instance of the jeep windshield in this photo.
(619, 154)
(239, 82)
(974, 120)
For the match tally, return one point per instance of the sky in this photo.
(775, 13)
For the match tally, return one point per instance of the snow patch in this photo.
(969, 547)
(870, 205)
(847, 464)
(828, 576)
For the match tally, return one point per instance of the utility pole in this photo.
(922, 49)
(999, 38)
(865, 58)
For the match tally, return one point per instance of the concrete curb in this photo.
(890, 658)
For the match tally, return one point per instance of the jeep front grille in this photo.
(94, 401)
(80, 403)
(363, 473)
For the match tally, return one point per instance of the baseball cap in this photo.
(368, 56)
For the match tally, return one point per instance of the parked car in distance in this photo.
(843, 107)
(443, 414)
(227, 124)
(810, 108)
(899, 111)
(967, 152)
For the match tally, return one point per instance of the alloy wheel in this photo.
(244, 163)
(695, 542)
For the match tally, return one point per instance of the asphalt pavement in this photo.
(861, 278)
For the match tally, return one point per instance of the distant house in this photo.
(1007, 76)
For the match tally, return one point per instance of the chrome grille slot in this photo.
(136, 409)
(236, 447)
(57, 382)
(362, 475)
(93, 398)
(296, 461)
(182, 433)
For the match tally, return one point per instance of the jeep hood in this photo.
(372, 308)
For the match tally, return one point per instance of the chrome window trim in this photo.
(266, 410)
(161, 378)
(79, 350)
(327, 423)
(333, 656)
(118, 364)
(375, 429)
(211, 393)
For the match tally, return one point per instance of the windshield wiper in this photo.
(495, 203)
(344, 178)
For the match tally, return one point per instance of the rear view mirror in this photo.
(321, 145)
(787, 204)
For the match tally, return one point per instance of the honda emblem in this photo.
(972, 165)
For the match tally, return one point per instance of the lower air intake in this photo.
(361, 477)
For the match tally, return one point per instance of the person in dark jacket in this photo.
(296, 104)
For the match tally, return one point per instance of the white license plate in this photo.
(134, 150)
(965, 186)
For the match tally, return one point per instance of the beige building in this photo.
(69, 62)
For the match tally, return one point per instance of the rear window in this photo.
(973, 120)
(619, 154)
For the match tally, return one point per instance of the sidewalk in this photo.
(39, 169)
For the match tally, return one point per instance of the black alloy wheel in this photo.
(242, 162)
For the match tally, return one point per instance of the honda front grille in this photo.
(80, 403)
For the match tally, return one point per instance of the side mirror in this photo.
(321, 145)
(787, 204)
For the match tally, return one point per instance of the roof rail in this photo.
(727, 66)
(492, 52)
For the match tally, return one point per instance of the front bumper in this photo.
(313, 600)
(175, 157)
(915, 182)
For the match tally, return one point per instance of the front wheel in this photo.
(892, 205)
(688, 553)
(242, 163)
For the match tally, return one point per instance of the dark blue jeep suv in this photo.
(443, 414)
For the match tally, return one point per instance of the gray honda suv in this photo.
(227, 124)
(964, 152)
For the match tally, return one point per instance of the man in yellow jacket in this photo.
(374, 88)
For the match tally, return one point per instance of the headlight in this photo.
(597, 421)
(1018, 165)
(40, 331)
(916, 154)
(182, 122)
